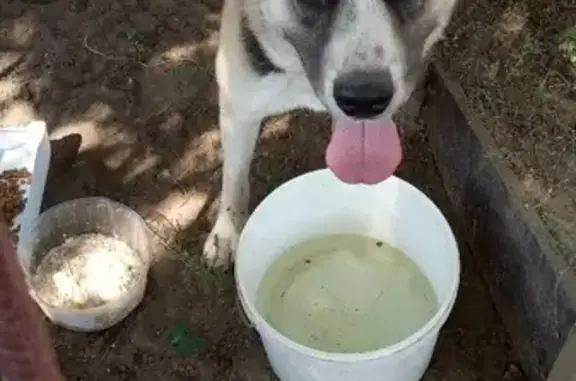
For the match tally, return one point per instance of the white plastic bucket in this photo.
(318, 204)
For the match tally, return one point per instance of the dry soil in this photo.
(516, 61)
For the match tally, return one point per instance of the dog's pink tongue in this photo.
(364, 152)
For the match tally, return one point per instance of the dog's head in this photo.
(362, 57)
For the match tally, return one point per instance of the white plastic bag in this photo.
(26, 147)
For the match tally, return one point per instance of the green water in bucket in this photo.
(346, 294)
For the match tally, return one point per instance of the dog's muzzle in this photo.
(363, 94)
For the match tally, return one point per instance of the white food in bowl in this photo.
(87, 271)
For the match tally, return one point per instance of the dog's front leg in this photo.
(238, 133)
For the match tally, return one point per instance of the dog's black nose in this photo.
(364, 94)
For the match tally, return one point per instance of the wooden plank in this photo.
(533, 288)
(564, 369)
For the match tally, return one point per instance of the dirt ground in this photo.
(516, 61)
(128, 92)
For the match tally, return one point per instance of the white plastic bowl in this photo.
(80, 216)
(318, 204)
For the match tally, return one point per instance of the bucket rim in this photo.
(431, 327)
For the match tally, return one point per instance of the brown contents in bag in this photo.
(12, 202)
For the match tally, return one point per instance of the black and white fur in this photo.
(279, 55)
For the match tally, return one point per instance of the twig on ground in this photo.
(113, 58)
(99, 53)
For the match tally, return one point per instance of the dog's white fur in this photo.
(364, 28)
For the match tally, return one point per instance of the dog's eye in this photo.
(318, 4)
(311, 12)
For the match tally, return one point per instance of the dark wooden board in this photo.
(564, 368)
(533, 287)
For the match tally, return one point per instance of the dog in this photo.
(359, 60)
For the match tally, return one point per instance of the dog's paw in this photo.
(220, 246)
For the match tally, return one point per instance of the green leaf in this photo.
(181, 342)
